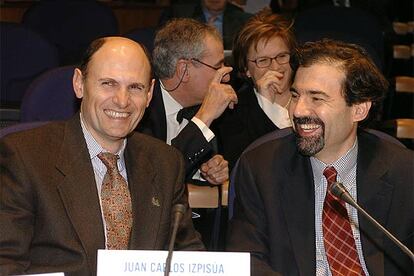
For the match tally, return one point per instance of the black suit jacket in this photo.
(233, 18)
(239, 127)
(274, 207)
(50, 217)
(190, 141)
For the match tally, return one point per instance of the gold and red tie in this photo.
(116, 204)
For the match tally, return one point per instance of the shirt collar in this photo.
(170, 104)
(94, 148)
(208, 14)
(343, 166)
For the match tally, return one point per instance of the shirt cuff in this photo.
(207, 133)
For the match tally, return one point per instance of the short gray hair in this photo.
(180, 38)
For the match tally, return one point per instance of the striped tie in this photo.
(337, 233)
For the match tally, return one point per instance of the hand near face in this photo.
(215, 170)
(219, 96)
(270, 84)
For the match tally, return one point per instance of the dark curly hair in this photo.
(363, 80)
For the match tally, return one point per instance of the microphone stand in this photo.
(178, 211)
(339, 190)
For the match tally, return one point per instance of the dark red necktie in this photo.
(337, 233)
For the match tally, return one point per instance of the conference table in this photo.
(207, 196)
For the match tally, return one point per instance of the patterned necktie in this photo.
(337, 233)
(116, 204)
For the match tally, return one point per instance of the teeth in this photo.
(115, 114)
(309, 126)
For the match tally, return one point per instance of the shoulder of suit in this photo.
(281, 141)
(386, 148)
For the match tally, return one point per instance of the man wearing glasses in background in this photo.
(188, 59)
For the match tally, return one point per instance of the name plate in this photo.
(152, 263)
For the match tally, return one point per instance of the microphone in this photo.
(178, 212)
(338, 190)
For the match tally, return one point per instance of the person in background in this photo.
(70, 188)
(190, 95)
(285, 213)
(224, 16)
(261, 55)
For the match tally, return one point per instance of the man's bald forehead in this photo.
(100, 43)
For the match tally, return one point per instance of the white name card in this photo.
(184, 263)
(45, 274)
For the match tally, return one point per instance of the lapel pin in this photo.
(155, 202)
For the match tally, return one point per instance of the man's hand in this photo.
(219, 96)
(215, 170)
(270, 84)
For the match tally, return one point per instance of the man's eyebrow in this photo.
(220, 62)
(140, 84)
(319, 93)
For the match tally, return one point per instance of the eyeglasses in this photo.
(205, 64)
(264, 62)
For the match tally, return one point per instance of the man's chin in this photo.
(309, 146)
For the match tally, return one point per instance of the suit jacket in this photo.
(233, 18)
(239, 127)
(50, 214)
(190, 141)
(274, 207)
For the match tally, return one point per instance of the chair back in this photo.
(50, 97)
(71, 25)
(144, 36)
(279, 133)
(24, 56)
(350, 25)
(19, 127)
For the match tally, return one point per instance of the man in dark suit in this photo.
(54, 179)
(188, 58)
(227, 18)
(284, 207)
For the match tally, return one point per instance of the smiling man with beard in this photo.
(284, 212)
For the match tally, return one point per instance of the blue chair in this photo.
(50, 97)
(350, 25)
(24, 56)
(145, 36)
(19, 127)
(71, 25)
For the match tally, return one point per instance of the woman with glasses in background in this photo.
(261, 54)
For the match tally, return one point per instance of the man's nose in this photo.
(121, 98)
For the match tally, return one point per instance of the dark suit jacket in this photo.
(239, 127)
(50, 217)
(190, 141)
(233, 18)
(274, 207)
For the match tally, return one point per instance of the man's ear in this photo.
(77, 83)
(150, 92)
(361, 111)
(182, 70)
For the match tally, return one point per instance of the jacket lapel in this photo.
(299, 209)
(375, 194)
(146, 196)
(78, 190)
